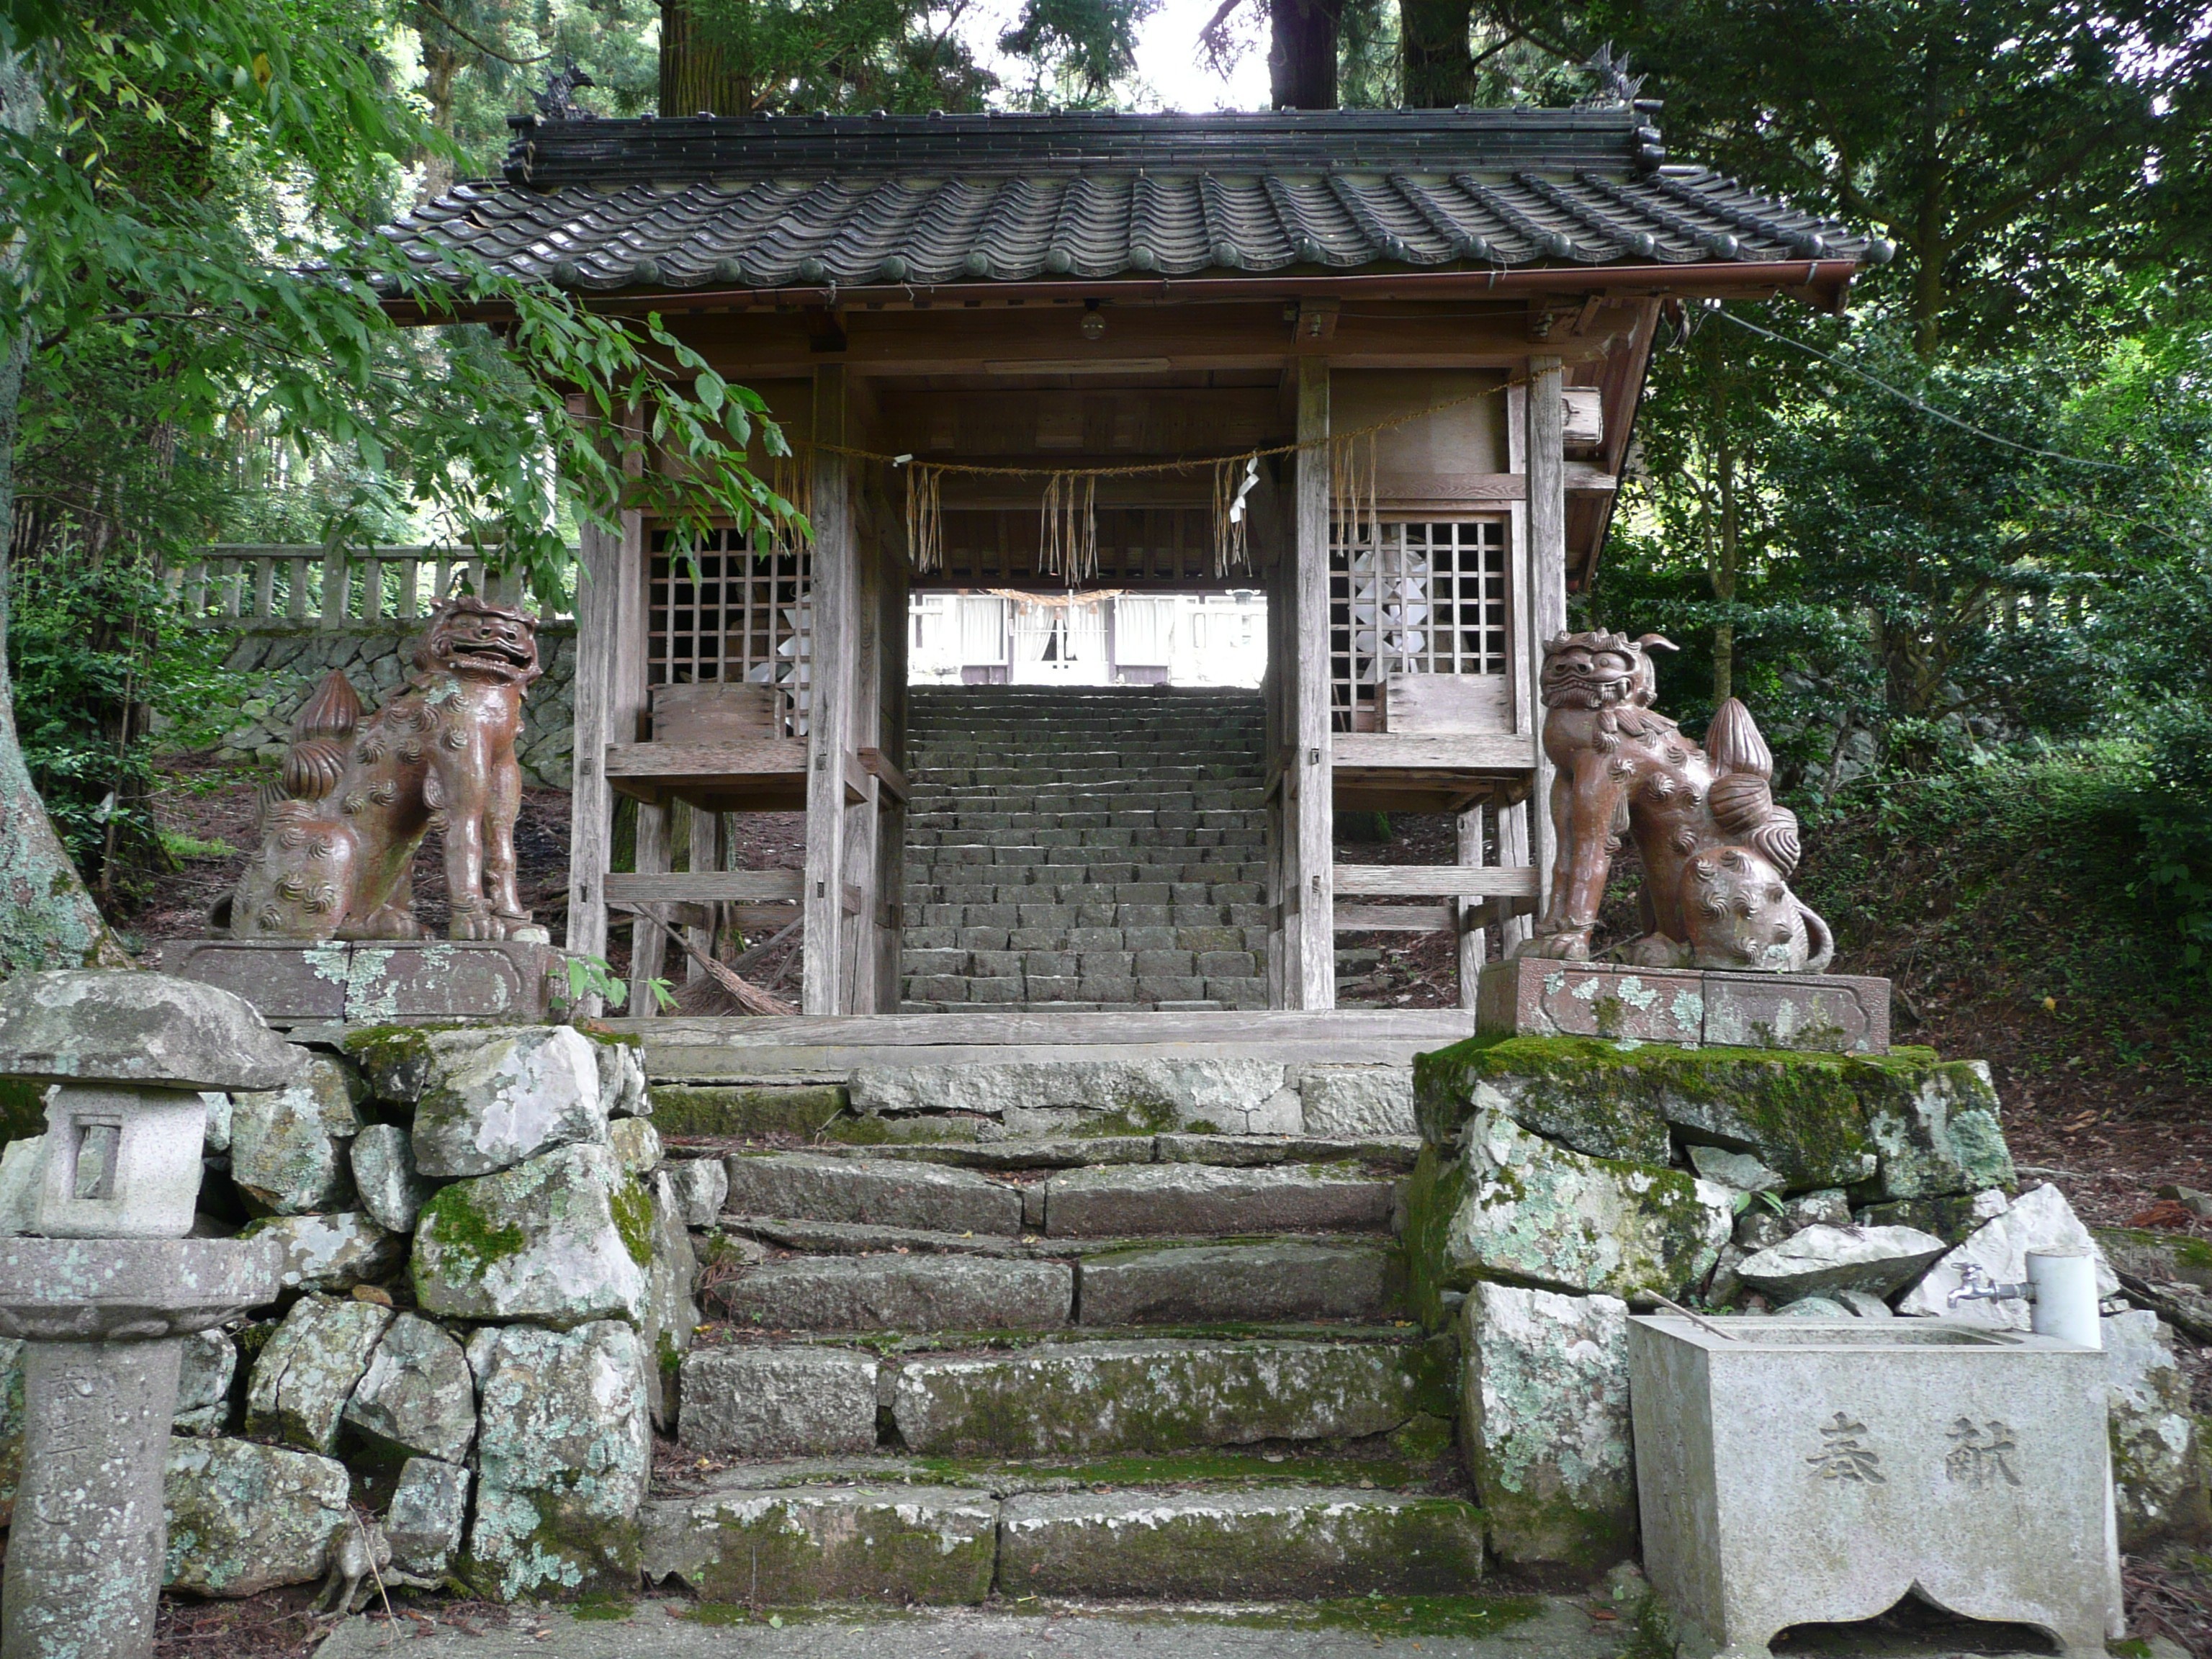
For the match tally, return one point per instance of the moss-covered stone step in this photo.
(1075, 1398)
(1264, 1279)
(1232, 1546)
(930, 1546)
(1205, 1198)
(898, 1294)
(807, 1186)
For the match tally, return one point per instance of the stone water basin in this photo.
(1796, 1472)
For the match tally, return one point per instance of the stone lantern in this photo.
(107, 1286)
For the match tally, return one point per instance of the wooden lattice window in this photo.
(728, 614)
(1419, 596)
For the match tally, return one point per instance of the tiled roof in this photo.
(854, 200)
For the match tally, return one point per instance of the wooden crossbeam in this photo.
(1471, 751)
(704, 886)
(1396, 919)
(1434, 881)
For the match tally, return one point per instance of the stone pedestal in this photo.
(102, 1321)
(374, 983)
(1841, 1013)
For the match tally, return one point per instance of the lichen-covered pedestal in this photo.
(304, 982)
(1532, 996)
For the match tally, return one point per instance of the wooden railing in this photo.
(240, 585)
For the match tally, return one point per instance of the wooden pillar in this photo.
(590, 803)
(1282, 810)
(861, 956)
(648, 946)
(829, 716)
(1547, 576)
(1312, 763)
(1471, 942)
(890, 813)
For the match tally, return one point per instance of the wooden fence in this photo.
(243, 587)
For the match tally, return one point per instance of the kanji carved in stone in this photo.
(338, 849)
(1718, 851)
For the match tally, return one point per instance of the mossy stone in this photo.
(1432, 1198)
(746, 1111)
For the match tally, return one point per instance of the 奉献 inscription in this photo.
(1845, 1453)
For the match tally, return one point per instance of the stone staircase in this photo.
(1098, 848)
(1169, 1366)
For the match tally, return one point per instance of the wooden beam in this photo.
(1314, 744)
(830, 715)
(1548, 572)
(704, 887)
(1434, 881)
(1472, 944)
(1396, 917)
(649, 946)
(745, 758)
(877, 766)
(1454, 751)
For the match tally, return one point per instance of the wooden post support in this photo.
(648, 946)
(830, 715)
(1314, 750)
(1471, 944)
(590, 803)
(1547, 574)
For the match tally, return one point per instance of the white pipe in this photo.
(2065, 1304)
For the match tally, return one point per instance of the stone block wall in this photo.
(1563, 1182)
(487, 1276)
(376, 657)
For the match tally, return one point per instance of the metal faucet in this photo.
(1976, 1285)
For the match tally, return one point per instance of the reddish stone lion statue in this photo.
(337, 849)
(1718, 851)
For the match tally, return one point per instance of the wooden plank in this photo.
(1316, 814)
(1431, 705)
(1434, 881)
(591, 804)
(648, 946)
(830, 718)
(671, 761)
(1547, 574)
(877, 766)
(704, 886)
(1512, 854)
(1396, 919)
(1464, 751)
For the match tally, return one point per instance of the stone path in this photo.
(1560, 1629)
(1099, 847)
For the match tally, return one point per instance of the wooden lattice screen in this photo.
(1424, 596)
(725, 613)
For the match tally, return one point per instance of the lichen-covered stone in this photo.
(1537, 1213)
(1943, 1137)
(1106, 1201)
(1266, 1278)
(636, 1143)
(385, 1177)
(700, 1185)
(22, 1171)
(2038, 1219)
(493, 1098)
(416, 1397)
(1240, 1095)
(1234, 1546)
(1061, 1398)
(1822, 1260)
(95, 1026)
(670, 1311)
(1804, 1115)
(217, 1138)
(1740, 1171)
(563, 1446)
(1433, 1199)
(1544, 1424)
(204, 1376)
(1350, 1101)
(620, 1063)
(1950, 1218)
(2158, 1473)
(304, 1375)
(288, 1146)
(428, 1513)
(756, 1402)
(244, 1518)
(332, 1252)
(561, 1239)
(923, 1546)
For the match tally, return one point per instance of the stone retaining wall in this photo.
(294, 659)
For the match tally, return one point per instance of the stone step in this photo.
(899, 1545)
(1110, 1200)
(1079, 1398)
(1236, 1546)
(883, 1192)
(892, 1292)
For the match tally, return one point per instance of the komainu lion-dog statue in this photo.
(338, 848)
(1718, 851)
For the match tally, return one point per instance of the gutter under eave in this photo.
(1809, 276)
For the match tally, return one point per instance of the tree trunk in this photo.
(1727, 541)
(47, 918)
(696, 77)
(1301, 53)
(441, 65)
(1437, 68)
